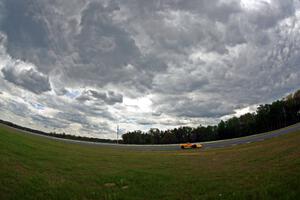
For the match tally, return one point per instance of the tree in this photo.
(267, 117)
(168, 138)
(232, 128)
(247, 124)
(155, 135)
(221, 130)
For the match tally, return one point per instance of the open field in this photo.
(33, 167)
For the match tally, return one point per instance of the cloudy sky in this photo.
(84, 66)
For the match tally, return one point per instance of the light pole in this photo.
(118, 134)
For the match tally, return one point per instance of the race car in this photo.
(190, 146)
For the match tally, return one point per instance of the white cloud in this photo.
(141, 104)
(254, 4)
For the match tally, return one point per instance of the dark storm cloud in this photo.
(90, 48)
(27, 34)
(214, 9)
(270, 14)
(23, 30)
(105, 39)
(29, 79)
(109, 97)
(184, 106)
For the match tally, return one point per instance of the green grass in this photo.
(33, 167)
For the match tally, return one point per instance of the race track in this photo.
(170, 147)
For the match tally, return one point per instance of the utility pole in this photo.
(118, 134)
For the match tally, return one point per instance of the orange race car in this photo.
(190, 146)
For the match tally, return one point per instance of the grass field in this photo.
(33, 167)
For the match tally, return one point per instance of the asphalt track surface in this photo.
(170, 147)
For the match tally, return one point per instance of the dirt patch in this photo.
(125, 187)
(109, 185)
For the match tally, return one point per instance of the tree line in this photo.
(267, 117)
